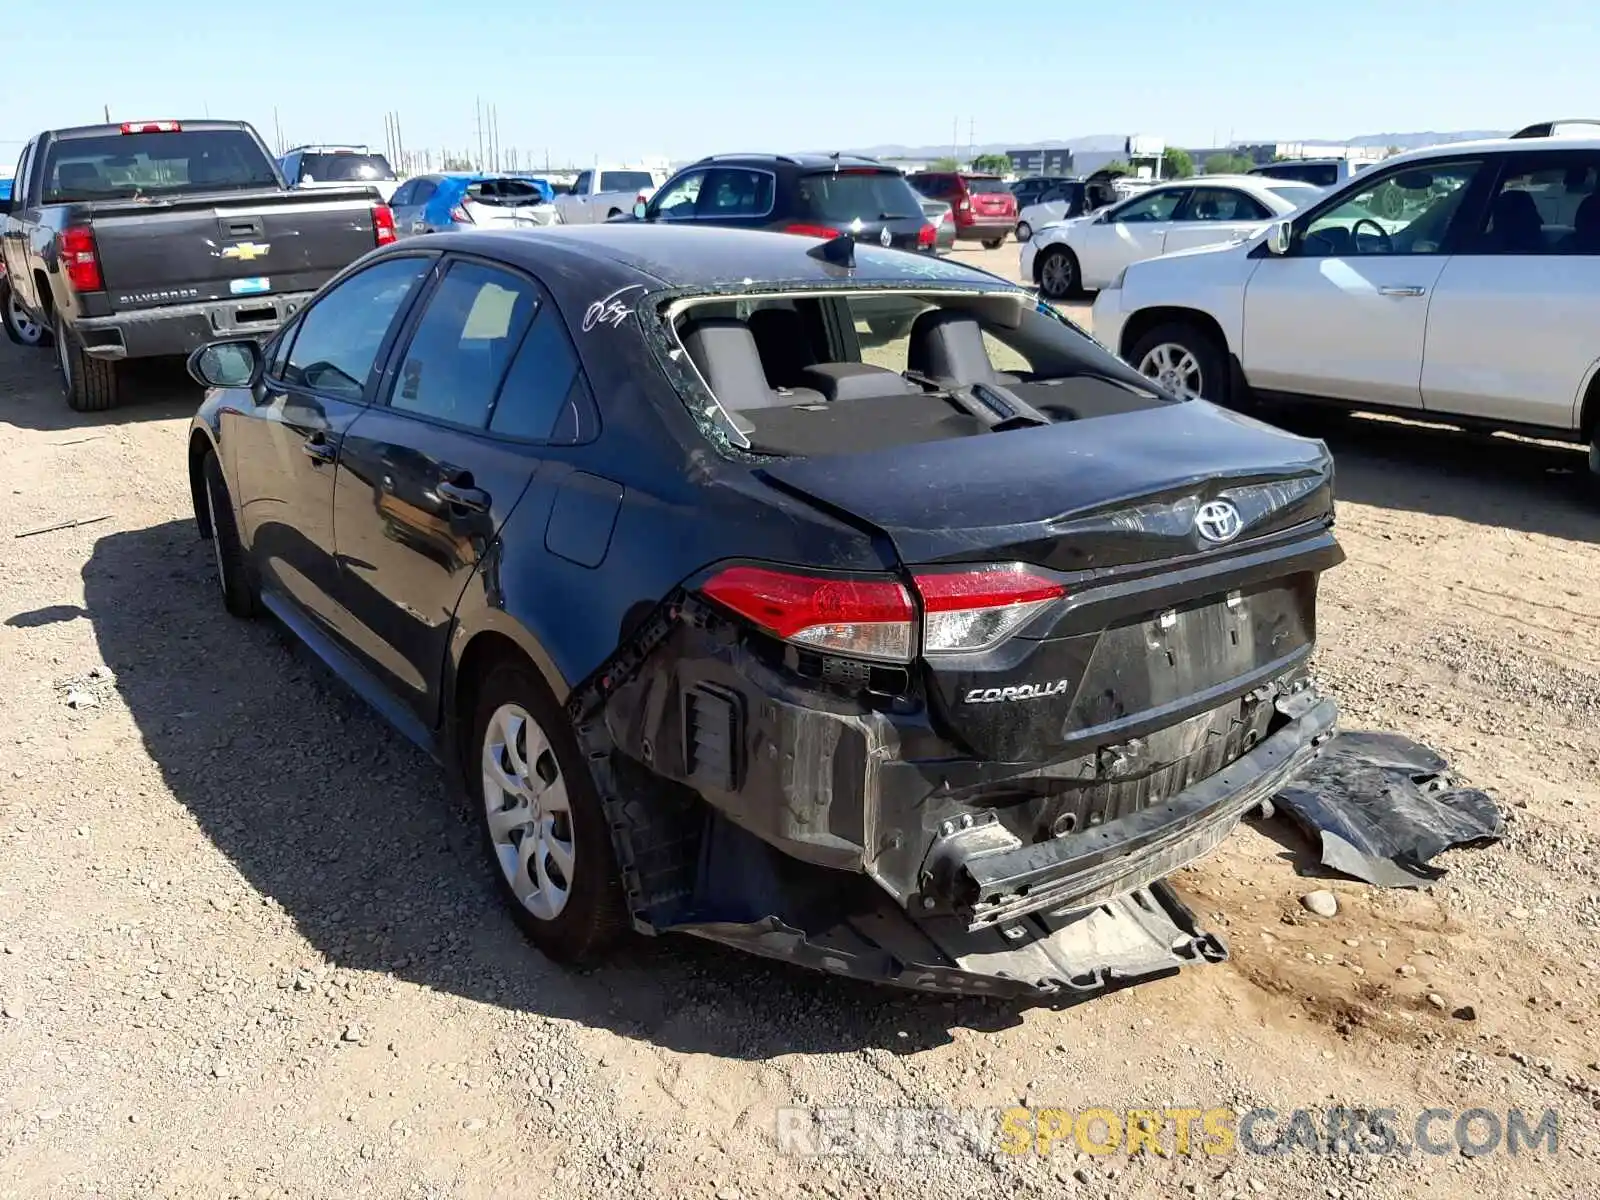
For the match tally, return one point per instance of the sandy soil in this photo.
(250, 950)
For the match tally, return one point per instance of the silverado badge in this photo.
(246, 251)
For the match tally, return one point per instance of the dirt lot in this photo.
(249, 949)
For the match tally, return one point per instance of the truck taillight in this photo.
(383, 224)
(965, 609)
(816, 231)
(80, 259)
(151, 127)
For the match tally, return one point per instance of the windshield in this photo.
(985, 184)
(345, 168)
(858, 195)
(626, 181)
(128, 165)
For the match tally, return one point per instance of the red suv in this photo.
(984, 206)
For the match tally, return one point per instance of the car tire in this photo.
(91, 383)
(22, 329)
(1024, 232)
(993, 243)
(1058, 273)
(1184, 359)
(240, 595)
(520, 734)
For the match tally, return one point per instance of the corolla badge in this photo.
(1218, 521)
(886, 237)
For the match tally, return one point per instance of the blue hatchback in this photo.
(436, 203)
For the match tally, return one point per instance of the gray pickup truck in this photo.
(152, 238)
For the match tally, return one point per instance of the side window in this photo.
(1222, 204)
(735, 192)
(340, 335)
(1545, 205)
(1153, 206)
(580, 185)
(677, 200)
(425, 190)
(1408, 211)
(402, 195)
(456, 357)
(544, 397)
(19, 188)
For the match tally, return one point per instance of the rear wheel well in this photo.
(1143, 321)
(1589, 415)
(199, 447)
(47, 300)
(483, 654)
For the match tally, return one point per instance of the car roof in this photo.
(805, 161)
(677, 256)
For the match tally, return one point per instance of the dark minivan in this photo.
(815, 195)
(985, 208)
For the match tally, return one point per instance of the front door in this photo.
(1345, 313)
(426, 480)
(285, 447)
(1130, 233)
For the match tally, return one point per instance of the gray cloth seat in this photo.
(947, 346)
(724, 351)
(1586, 226)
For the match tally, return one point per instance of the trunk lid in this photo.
(1155, 623)
(508, 214)
(209, 247)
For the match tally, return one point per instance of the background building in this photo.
(1053, 160)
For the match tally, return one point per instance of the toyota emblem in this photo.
(1218, 521)
(886, 238)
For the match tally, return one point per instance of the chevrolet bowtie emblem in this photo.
(246, 251)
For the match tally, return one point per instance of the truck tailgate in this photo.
(213, 247)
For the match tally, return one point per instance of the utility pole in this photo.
(277, 128)
(108, 114)
(969, 141)
(955, 137)
(477, 106)
(399, 142)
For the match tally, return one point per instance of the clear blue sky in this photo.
(624, 78)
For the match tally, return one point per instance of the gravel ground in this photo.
(247, 947)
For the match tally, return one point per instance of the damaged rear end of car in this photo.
(1080, 658)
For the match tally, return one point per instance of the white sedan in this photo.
(1069, 257)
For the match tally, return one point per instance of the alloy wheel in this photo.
(1175, 368)
(529, 814)
(29, 330)
(1057, 274)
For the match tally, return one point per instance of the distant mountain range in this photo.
(1110, 143)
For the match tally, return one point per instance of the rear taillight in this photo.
(927, 236)
(80, 259)
(964, 205)
(151, 127)
(971, 609)
(383, 224)
(864, 618)
(817, 231)
(965, 610)
(460, 215)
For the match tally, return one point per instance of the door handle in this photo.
(1409, 290)
(464, 495)
(319, 449)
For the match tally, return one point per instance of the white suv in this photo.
(1461, 282)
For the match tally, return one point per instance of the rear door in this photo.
(737, 197)
(321, 376)
(1512, 327)
(1345, 313)
(13, 237)
(427, 478)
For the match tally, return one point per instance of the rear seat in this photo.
(724, 351)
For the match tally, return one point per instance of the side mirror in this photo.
(235, 364)
(639, 210)
(1279, 238)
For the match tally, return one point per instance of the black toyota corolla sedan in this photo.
(920, 658)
